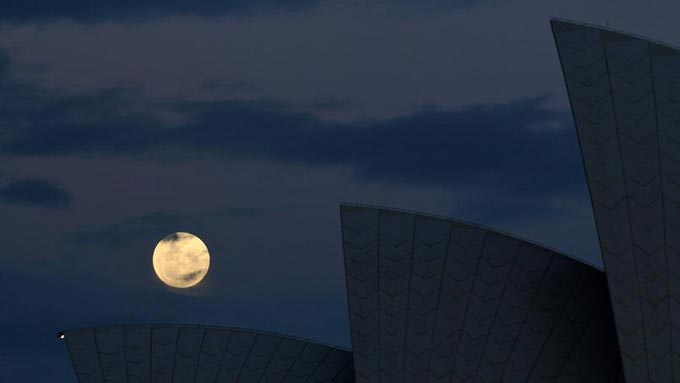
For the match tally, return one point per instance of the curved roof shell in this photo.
(625, 98)
(432, 299)
(196, 354)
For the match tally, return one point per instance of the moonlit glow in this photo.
(181, 260)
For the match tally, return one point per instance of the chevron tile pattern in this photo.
(625, 98)
(434, 300)
(194, 354)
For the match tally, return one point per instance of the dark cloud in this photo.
(44, 124)
(494, 154)
(34, 192)
(21, 11)
(491, 146)
(152, 226)
(519, 148)
(509, 157)
(92, 11)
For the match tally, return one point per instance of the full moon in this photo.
(181, 260)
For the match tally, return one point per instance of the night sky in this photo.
(247, 123)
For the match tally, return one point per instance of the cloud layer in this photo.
(91, 11)
(34, 192)
(95, 11)
(495, 145)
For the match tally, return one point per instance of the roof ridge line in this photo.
(213, 327)
(475, 225)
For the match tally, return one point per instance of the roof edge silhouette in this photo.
(212, 327)
(475, 225)
(615, 30)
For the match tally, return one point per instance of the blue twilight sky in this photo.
(246, 122)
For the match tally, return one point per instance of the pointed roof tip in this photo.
(554, 20)
(568, 23)
(558, 22)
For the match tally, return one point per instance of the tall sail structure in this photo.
(625, 98)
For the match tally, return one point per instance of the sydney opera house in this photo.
(433, 299)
